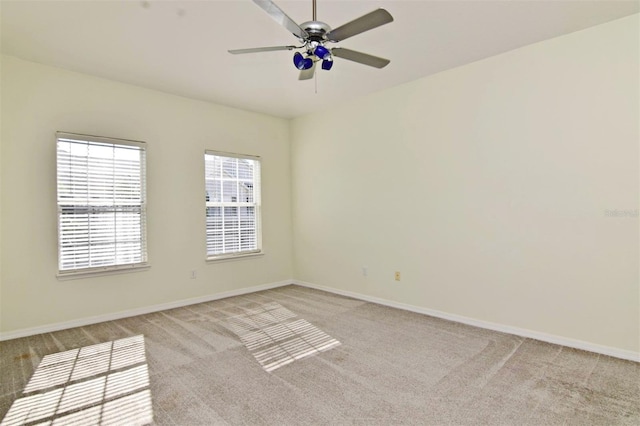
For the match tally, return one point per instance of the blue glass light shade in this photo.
(301, 62)
(308, 63)
(327, 64)
(322, 52)
(298, 60)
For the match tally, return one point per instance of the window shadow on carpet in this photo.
(105, 384)
(275, 336)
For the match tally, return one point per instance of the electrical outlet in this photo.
(397, 275)
(365, 271)
(194, 274)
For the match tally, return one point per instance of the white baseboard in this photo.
(138, 311)
(549, 338)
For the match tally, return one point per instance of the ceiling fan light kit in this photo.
(314, 35)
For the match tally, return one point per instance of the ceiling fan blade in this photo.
(362, 58)
(364, 23)
(260, 49)
(281, 18)
(307, 74)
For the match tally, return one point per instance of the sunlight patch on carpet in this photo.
(275, 336)
(106, 384)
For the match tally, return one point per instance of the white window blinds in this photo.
(101, 203)
(232, 185)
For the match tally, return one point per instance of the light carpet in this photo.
(298, 356)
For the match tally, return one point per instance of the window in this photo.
(232, 184)
(101, 204)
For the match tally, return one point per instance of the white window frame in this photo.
(256, 204)
(116, 267)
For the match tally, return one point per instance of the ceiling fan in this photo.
(315, 35)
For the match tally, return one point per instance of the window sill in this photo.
(98, 272)
(230, 257)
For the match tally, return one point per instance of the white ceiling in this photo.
(180, 47)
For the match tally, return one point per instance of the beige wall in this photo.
(487, 186)
(39, 100)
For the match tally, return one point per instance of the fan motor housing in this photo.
(317, 30)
